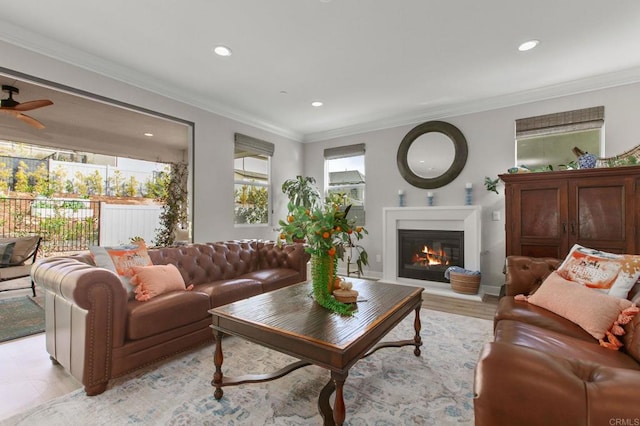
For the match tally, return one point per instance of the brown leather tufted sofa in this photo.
(97, 332)
(545, 370)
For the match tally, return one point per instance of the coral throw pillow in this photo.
(121, 260)
(614, 274)
(151, 281)
(597, 313)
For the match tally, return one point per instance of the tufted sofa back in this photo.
(204, 263)
(222, 260)
(524, 274)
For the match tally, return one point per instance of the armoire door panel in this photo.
(540, 213)
(601, 213)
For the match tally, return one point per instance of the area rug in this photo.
(391, 387)
(20, 317)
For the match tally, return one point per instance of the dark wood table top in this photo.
(289, 321)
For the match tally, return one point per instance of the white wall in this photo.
(213, 145)
(490, 137)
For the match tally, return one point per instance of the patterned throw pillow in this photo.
(121, 260)
(610, 273)
(6, 250)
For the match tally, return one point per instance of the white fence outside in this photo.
(120, 222)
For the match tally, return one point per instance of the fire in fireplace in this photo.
(426, 254)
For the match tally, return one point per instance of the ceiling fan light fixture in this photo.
(222, 50)
(14, 108)
(148, 134)
(316, 104)
(528, 45)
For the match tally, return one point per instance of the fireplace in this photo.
(465, 219)
(426, 254)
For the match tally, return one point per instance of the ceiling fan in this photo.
(12, 107)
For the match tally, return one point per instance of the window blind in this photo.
(344, 151)
(561, 122)
(247, 145)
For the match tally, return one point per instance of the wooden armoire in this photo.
(548, 212)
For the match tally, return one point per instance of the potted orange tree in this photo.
(327, 230)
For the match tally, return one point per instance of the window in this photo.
(345, 174)
(252, 170)
(549, 141)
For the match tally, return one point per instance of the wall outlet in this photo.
(378, 258)
(496, 215)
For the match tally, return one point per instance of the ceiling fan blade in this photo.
(28, 106)
(30, 120)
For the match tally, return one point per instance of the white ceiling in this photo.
(374, 63)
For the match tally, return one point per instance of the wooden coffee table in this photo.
(289, 321)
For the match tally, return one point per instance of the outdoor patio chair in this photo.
(17, 255)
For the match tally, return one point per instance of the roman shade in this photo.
(247, 145)
(344, 151)
(561, 122)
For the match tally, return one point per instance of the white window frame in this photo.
(262, 149)
(357, 150)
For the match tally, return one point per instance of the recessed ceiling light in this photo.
(316, 104)
(528, 45)
(148, 134)
(222, 51)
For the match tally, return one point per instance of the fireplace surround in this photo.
(467, 219)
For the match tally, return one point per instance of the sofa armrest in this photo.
(292, 256)
(524, 274)
(522, 386)
(85, 310)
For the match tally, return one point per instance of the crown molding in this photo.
(574, 87)
(33, 42)
(57, 51)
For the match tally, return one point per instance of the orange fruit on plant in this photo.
(290, 218)
(338, 228)
(325, 235)
(359, 229)
(283, 237)
(331, 251)
(350, 231)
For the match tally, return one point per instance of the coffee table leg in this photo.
(217, 361)
(417, 326)
(339, 411)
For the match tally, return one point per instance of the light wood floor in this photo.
(484, 309)
(28, 377)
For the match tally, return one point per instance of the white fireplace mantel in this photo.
(437, 218)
